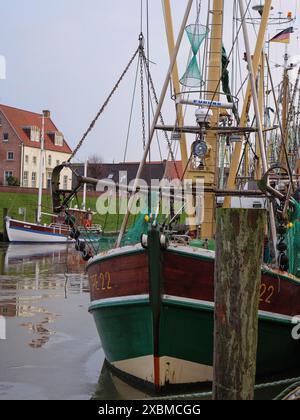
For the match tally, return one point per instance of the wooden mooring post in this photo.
(240, 234)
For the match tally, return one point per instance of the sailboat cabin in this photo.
(20, 149)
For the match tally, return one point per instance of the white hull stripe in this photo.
(130, 249)
(123, 300)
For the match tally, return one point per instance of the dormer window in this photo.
(34, 133)
(58, 139)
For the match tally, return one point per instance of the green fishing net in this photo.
(293, 239)
(196, 35)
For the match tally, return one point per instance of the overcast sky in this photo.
(66, 55)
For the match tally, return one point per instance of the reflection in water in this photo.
(34, 268)
(110, 387)
(44, 296)
(41, 269)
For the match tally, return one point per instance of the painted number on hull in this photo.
(266, 293)
(101, 282)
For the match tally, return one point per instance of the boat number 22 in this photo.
(101, 282)
(266, 293)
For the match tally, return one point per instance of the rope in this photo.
(287, 391)
(142, 97)
(104, 105)
(209, 394)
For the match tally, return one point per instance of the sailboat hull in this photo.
(179, 350)
(18, 231)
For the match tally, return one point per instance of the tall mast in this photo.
(258, 117)
(261, 98)
(175, 77)
(84, 185)
(41, 167)
(285, 104)
(248, 97)
(213, 86)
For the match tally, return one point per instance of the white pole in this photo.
(39, 213)
(258, 119)
(156, 116)
(84, 186)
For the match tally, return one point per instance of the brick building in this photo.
(20, 143)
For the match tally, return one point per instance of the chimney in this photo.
(47, 113)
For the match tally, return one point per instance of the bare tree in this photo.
(95, 169)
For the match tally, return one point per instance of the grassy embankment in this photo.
(16, 200)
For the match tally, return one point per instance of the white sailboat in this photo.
(21, 231)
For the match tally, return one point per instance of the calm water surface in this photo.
(52, 350)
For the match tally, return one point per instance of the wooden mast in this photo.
(256, 60)
(285, 108)
(261, 96)
(175, 78)
(213, 85)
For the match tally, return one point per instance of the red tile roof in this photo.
(19, 118)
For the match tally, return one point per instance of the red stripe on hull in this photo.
(124, 275)
(193, 278)
(183, 276)
(156, 372)
(38, 228)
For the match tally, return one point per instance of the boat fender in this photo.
(283, 262)
(282, 246)
(144, 241)
(86, 255)
(80, 245)
(164, 242)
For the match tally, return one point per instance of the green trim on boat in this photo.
(113, 304)
(199, 243)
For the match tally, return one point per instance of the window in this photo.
(49, 180)
(33, 180)
(10, 155)
(65, 184)
(5, 137)
(26, 159)
(25, 179)
(58, 139)
(49, 160)
(7, 174)
(34, 160)
(35, 134)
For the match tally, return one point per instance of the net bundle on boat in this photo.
(138, 226)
